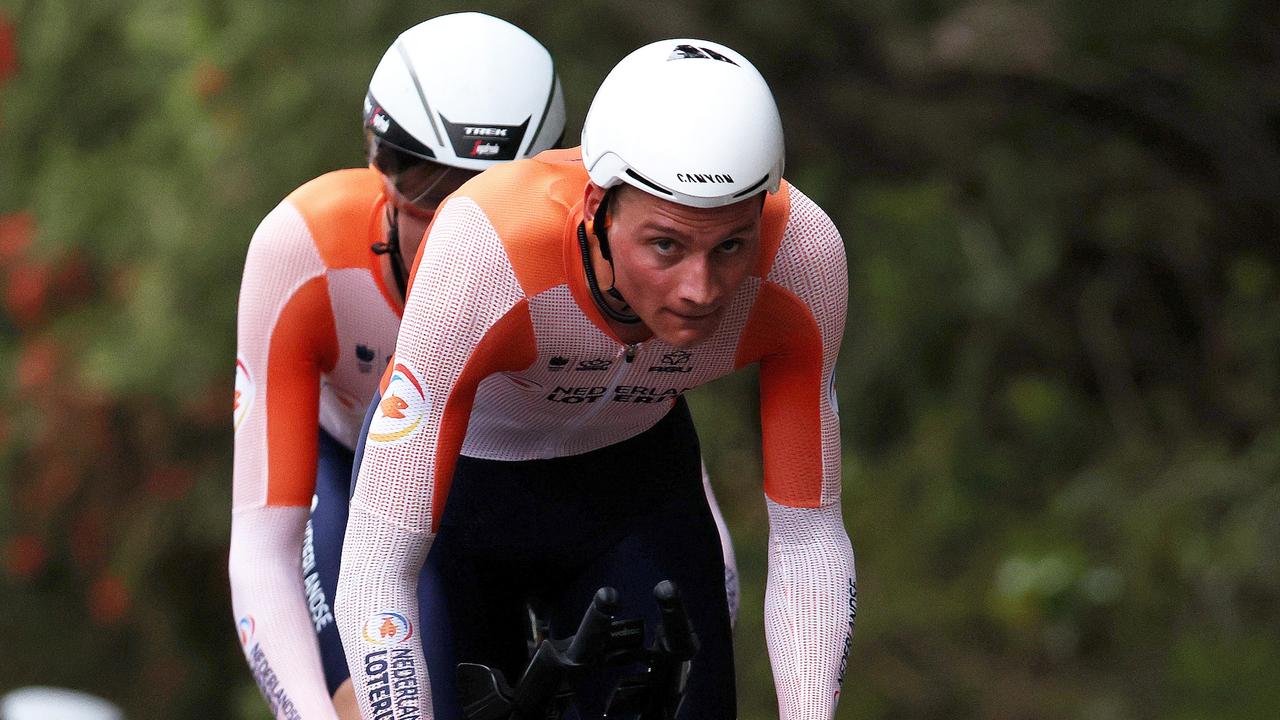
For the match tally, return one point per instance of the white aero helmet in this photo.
(465, 90)
(51, 703)
(689, 121)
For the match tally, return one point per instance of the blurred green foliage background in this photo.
(1059, 383)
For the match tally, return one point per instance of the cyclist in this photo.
(530, 431)
(320, 303)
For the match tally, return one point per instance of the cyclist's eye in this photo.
(664, 246)
(730, 246)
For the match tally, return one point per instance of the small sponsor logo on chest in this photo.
(676, 361)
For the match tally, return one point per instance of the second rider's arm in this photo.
(285, 340)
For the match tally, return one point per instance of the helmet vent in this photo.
(753, 188)
(417, 85)
(649, 183)
(551, 96)
(685, 51)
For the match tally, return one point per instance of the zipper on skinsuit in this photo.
(628, 352)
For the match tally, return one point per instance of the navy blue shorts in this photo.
(546, 534)
(549, 533)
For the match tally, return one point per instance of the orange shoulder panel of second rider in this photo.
(529, 203)
(340, 208)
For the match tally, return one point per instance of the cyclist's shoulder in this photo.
(797, 232)
(529, 205)
(803, 214)
(338, 194)
(537, 185)
(323, 225)
(339, 209)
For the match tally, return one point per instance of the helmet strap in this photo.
(600, 226)
(624, 315)
(601, 230)
(392, 247)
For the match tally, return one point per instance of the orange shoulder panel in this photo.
(304, 344)
(529, 203)
(341, 210)
(783, 336)
(777, 210)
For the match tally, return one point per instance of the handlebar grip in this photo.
(593, 633)
(677, 631)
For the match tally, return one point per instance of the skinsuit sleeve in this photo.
(466, 318)
(795, 333)
(285, 341)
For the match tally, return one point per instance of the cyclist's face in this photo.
(679, 266)
(418, 190)
(412, 219)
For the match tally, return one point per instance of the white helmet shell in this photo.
(689, 121)
(52, 703)
(466, 90)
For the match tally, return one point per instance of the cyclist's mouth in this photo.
(695, 318)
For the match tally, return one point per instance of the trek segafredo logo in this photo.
(477, 131)
(402, 409)
(375, 116)
(244, 394)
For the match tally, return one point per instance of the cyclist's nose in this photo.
(698, 286)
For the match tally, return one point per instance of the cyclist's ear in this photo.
(592, 196)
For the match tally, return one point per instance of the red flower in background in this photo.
(209, 80)
(24, 556)
(8, 50)
(16, 230)
(56, 481)
(26, 292)
(109, 600)
(37, 362)
(71, 278)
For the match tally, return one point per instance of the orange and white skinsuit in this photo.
(316, 325)
(503, 355)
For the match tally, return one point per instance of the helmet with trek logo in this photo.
(690, 121)
(462, 91)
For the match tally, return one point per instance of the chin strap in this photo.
(625, 315)
(392, 247)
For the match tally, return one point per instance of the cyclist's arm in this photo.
(285, 339)
(466, 320)
(810, 595)
(731, 588)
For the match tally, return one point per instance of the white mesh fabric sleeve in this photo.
(809, 608)
(264, 566)
(271, 611)
(731, 590)
(811, 596)
(464, 286)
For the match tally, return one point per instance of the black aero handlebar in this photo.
(543, 693)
